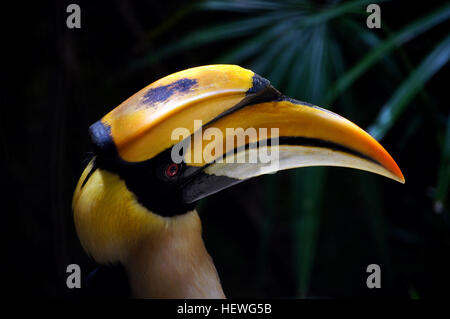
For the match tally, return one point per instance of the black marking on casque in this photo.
(258, 84)
(263, 92)
(163, 92)
(260, 92)
(101, 139)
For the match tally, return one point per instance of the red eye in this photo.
(172, 170)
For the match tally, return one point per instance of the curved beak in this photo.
(234, 126)
(278, 135)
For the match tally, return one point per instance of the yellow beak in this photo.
(225, 97)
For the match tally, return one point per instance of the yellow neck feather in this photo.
(165, 256)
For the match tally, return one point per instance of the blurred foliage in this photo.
(317, 51)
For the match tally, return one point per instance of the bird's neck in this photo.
(175, 264)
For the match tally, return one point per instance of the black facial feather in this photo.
(149, 182)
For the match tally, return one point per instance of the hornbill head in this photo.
(169, 145)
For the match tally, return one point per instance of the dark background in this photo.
(60, 80)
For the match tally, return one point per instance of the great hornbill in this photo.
(134, 205)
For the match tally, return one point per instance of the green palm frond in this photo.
(401, 37)
(409, 88)
(442, 189)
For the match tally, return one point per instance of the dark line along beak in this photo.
(308, 136)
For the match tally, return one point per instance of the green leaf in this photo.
(370, 40)
(271, 199)
(373, 200)
(310, 74)
(214, 34)
(332, 12)
(409, 88)
(413, 293)
(278, 73)
(241, 5)
(306, 197)
(319, 66)
(399, 38)
(348, 106)
(298, 77)
(171, 21)
(441, 194)
(247, 26)
(257, 44)
(267, 60)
